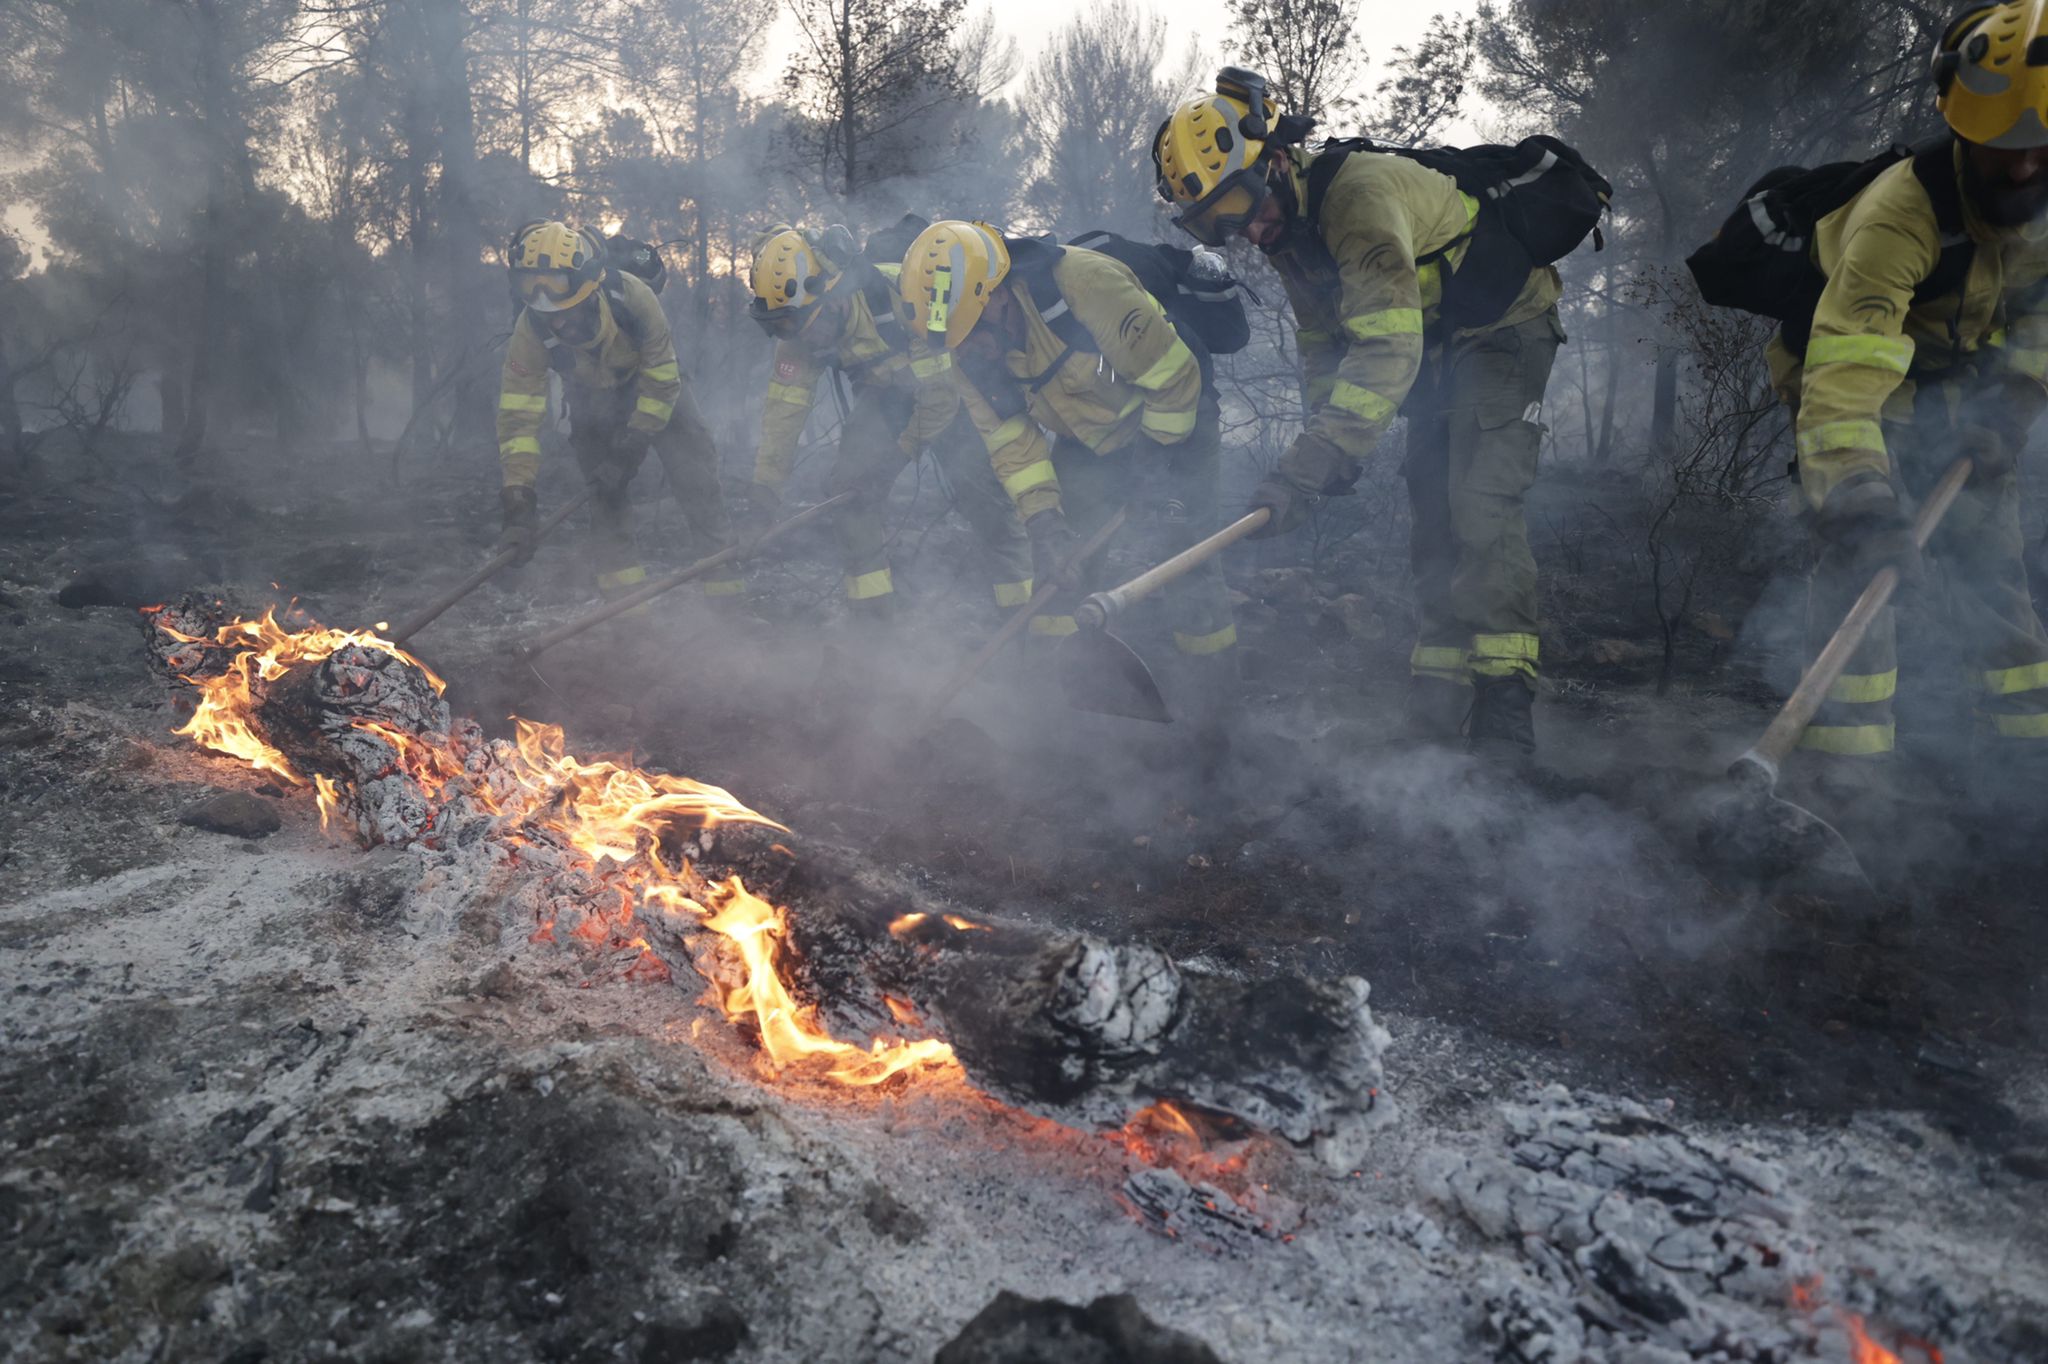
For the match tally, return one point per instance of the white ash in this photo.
(1116, 999)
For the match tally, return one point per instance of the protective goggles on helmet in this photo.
(552, 291)
(1226, 210)
(781, 323)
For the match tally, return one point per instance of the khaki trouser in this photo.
(1474, 436)
(1093, 486)
(1977, 570)
(871, 456)
(688, 456)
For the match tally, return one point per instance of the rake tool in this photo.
(497, 564)
(1101, 673)
(1754, 829)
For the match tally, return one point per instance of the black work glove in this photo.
(522, 523)
(763, 509)
(1862, 515)
(1992, 453)
(1289, 505)
(1053, 546)
(1992, 429)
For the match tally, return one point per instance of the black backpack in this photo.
(887, 245)
(1200, 301)
(636, 257)
(1538, 199)
(1761, 259)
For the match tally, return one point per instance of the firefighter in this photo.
(1367, 273)
(1077, 379)
(604, 332)
(1891, 387)
(832, 313)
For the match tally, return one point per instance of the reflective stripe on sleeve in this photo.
(1893, 353)
(520, 445)
(625, 577)
(1013, 594)
(1215, 642)
(1505, 655)
(1360, 402)
(1849, 741)
(655, 408)
(1385, 322)
(523, 402)
(662, 374)
(867, 586)
(1430, 660)
(1011, 430)
(1053, 625)
(1853, 434)
(794, 394)
(724, 587)
(2006, 681)
(931, 366)
(1036, 474)
(1177, 358)
(1862, 689)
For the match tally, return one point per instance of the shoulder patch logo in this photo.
(785, 369)
(1133, 325)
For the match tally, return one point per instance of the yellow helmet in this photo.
(790, 278)
(1992, 74)
(554, 266)
(1210, 156)
(948, 274)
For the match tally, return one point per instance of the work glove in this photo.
(1053, 546)
(1313, 462)
(610, 476)
(1289, 505)
(1992, 429)
(763, 509)
(1862, 515)
(1992, 455)
(522, 523)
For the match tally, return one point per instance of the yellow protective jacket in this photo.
(1872, 345)
(637, 355)
(870, 348)
(1100, 364)
(1362, 304)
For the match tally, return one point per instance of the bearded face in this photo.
(2008, 188)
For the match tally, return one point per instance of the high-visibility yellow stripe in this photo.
(1849, 741)
(1177, 358)
(1506, 655)
(794, 394)
(725, 587)
(1170, 425)
(1010, 431)
(1385, 322)
(1036, 474)
(2020, 726)
(1435, 660)
(1893, 353)
(2006, 681)
(931, 366)
(520, 445)
(889, 269)
(523, 402)
(1053, 625)
(1862, 689)
(655, 408)
(1311, 336)
(625, 577)
(1853, 434)
(1362, 403)
(865, 586)
(1013, 594)
(1429, 284)
(662, 374)
(2032, 363)
(1215, 642)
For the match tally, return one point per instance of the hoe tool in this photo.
(1756, 831)
(548, 639)
(1101, 673)
(497, 565)
(1019, 618)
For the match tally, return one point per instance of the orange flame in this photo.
(267, 652)
(1863, 1347)
(329, 798)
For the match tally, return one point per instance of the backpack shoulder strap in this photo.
(1934, 167)
(614, 287)
(1323, 169)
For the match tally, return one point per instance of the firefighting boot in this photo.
(1502, 728)
(1436, 710)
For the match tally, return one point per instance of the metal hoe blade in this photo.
(1101, 673)
(1757, 836)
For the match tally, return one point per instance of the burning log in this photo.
(670, 875)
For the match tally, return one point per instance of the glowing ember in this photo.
(1169, 1137)
(1863, 1347)
(906, 923)
(265, 651)
(961, 925)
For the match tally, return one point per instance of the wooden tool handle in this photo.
(1761, 762)
(1100, 609)
(497, 564)
(1020, 618)
(548, 639)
